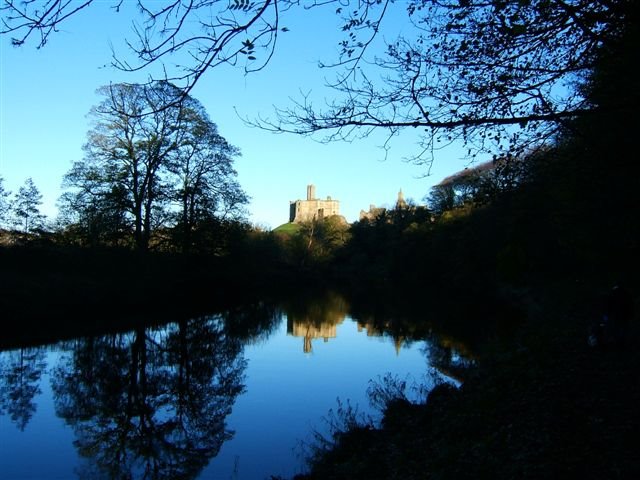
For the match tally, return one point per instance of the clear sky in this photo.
(45, 96)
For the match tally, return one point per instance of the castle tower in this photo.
(401, 202)
(311, 192)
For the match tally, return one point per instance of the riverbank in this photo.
(549, 406)
(50, 293)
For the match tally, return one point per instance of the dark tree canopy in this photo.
(499, 74)
(480, 184)
(141, 173)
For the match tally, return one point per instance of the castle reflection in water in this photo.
(309, 330)
(322, 320)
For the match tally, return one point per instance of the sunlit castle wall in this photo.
(312, 208)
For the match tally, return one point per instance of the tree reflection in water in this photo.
(20, 372)
(151, 403)
(449, 356)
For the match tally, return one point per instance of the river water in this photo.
(235, 395)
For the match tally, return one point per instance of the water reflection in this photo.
(155, 402)
(20, 373)
(449, 356)
(316, 318)
(376, 330)
(252, 323)
(151, 403)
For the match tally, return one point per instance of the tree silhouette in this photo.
(205, 181)
(500, 75)
(138, 167)
(25, 206)
(211, 32)
(479, 184)
(92, 212)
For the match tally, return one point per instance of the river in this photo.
(233, 395)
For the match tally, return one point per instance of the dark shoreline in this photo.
(49, 294)
(546, 405)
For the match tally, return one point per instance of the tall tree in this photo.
(128, 150)
(20, 373)
(137, 165)
(92, 212)
(205, 184)
(25, 207)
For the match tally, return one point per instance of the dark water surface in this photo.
(226, 396)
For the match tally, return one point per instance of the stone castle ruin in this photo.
(312, 208)
(377, 211)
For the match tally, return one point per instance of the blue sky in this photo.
(45, 96)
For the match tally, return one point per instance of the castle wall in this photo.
(307, 210)
(312, 208)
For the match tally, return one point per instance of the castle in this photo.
(312, 208)
(377, 211)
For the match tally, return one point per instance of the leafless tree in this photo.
(211, 32)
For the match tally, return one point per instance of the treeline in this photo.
(562, 211)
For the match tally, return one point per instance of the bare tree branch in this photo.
(497, 74)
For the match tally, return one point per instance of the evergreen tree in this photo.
(25, 207)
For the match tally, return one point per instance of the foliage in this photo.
(480, 184)
(206, 181)
(142, 173)
(566, 230)
(375, 244)
(389, 389)
(502, 76)
(93, 214)
(20, 373)
(342, 423)
(314, 243)
(554, 224)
